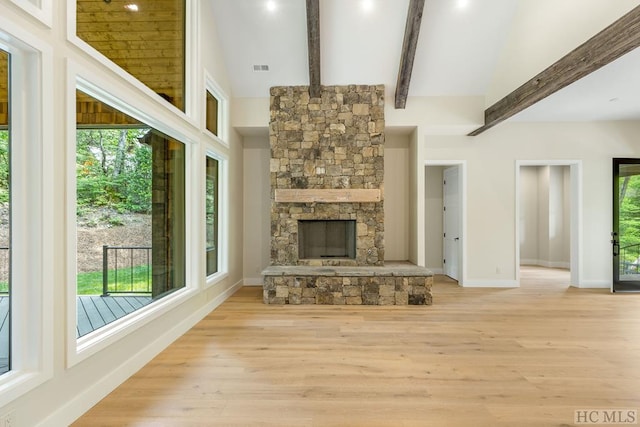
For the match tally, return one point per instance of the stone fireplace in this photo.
(327, 163)
(327, 201)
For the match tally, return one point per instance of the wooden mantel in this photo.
(327, 195)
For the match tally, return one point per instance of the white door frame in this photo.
(575, 167)
(462, 192)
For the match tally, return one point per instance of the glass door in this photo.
(625, 237)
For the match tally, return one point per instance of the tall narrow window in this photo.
(212, 114)
(211, 215)
(5, 217)
(130, 184)
(144, 37)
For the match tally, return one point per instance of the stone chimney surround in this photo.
(327, 164)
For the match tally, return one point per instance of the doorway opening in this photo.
(625, 236)
(547, 230)
(445, 219)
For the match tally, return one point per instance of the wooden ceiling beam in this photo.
(313, 40)
(617, 39)
(409, 45)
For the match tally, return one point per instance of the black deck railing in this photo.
(630, 259)
(126, 270)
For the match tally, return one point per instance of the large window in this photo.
(5, 218)
(130, 214)
(144, 37)
(26, 198)
(211, 215)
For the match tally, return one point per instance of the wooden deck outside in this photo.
(93, 312)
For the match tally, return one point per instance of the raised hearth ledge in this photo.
(354, 195)
(365, 271)
(371, 285)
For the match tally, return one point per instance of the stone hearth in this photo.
(327, 164)
(390, 285)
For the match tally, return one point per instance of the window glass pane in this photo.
(212, 215)
(5, 217)
(212, 114)
(130, 214)
(144, 37)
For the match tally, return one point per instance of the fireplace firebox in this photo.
(319, 239)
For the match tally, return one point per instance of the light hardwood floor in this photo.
(478, 357)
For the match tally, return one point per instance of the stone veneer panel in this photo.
(332, 142)
(404, 285)
(339, 290)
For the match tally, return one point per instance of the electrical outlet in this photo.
(8, 419)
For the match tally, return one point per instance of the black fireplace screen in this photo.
(326, 239)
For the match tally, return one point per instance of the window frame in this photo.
(216, 91)
(223, 210)
(42, 12)
(32, 226)
(117, 96)
(191, 66)
(215, 147)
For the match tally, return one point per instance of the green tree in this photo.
(113, 168)
(629, 220)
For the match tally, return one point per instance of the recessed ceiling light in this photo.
(462, 4)
(271, 5)
(132, 7)
(367, 5)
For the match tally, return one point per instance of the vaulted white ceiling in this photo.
(460, 45)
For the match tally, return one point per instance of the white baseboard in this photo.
(436, 270)
(487, 283)
(594, 284)
(80, 404)
(252, 281)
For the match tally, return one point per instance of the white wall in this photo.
(433, 218)
(540, 35)
(74, 389)
(416, 201)
(528, 214)
(257, 211)
(545, 216)
(558, 236)
(543, 212)
(396, 197)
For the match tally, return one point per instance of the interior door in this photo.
(625, 238)
(451, 222)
